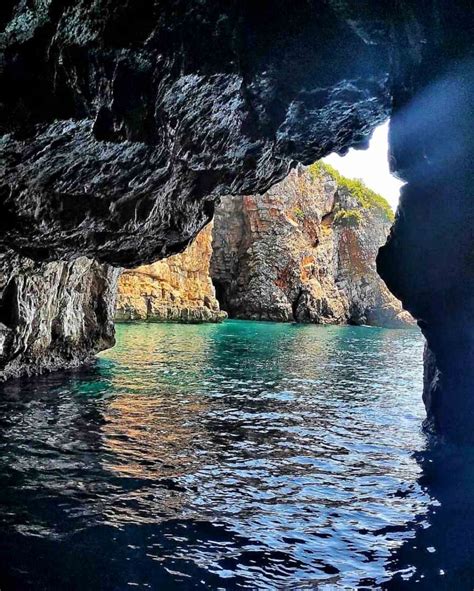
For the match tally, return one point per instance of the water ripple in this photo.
(239, 456)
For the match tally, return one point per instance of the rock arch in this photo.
(122, 122)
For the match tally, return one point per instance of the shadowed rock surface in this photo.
(122, 122)
(53, 315)
(428, 261)
(176, 289)
(305, 251)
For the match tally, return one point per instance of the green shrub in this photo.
(316, 169)
(299, 213)
(367, 198)
(348, 217)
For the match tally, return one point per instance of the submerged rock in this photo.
(53, 315)
(176, 289)
(305, 250)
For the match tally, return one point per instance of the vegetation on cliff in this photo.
(367, 198)
(303, 251)
(348, 217)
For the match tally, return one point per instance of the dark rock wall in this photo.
(428, 261)
(53, 315)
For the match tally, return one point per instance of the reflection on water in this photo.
(235, 456)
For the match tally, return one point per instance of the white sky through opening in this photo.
(371, 166)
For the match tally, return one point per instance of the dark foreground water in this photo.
(236, 456)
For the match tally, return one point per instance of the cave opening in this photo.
(372, 165)
(305, 250)
(221, 294)
(245, 454)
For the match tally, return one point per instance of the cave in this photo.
(122, 124)
(90, 168)
(8, 311)
(221, 294)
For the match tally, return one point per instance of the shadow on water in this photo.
(240, 456)
(439, 555)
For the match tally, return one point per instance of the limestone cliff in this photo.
(305, 250)
(176, 289)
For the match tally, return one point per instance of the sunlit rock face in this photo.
(53, 315)
(178, 288)
(304, 250)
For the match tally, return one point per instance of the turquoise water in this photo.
(237, 456)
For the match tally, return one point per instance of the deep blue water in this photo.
(237, 456)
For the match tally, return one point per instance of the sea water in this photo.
(243, 455)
